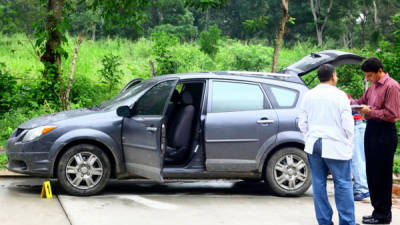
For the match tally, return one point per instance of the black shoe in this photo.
(375, 221)
(367, 217)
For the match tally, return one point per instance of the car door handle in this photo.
(151, 129)
(265, 121)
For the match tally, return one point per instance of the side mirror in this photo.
(124, 111)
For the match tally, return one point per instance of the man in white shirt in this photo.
(328, 127)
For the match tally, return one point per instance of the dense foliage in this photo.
(209, 40)
(356, 23)
(110, 72)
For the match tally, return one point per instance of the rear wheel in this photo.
(287, 172)
(83, 169)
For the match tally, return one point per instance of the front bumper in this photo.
(30, 158)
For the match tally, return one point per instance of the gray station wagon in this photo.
(207, 125)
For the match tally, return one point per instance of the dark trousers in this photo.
(380, 145)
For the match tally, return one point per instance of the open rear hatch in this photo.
(314, 60)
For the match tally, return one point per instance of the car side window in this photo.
(232, 96)
(154, 100)
(282, 97)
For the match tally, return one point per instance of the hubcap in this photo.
(84, 170)
(290, 172)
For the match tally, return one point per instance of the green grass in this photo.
(18, 55)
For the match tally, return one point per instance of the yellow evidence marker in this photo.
(46, 190)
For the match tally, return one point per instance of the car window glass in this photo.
(310, 62)
(229, 97)
(284, 97)
(125, 98)
(154, 100)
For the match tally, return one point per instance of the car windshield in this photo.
(126, 97)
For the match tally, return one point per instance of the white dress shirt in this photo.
(326, 113)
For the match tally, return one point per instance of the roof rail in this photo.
(282, 75)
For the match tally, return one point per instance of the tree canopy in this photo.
(348, 24)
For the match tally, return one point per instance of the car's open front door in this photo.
(144, 134)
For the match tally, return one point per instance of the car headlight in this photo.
(37, 132)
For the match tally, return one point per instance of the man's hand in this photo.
(364, 110)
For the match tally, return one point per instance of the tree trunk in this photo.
(71, 76)
(155, 13)
(58, 63)
(279, 36)
(207, 18)
(345, 42)
(375, 15)
(363, 24)
(52, 56)
(316, 11)
(93, 32)
(153, 72)
(319, 36)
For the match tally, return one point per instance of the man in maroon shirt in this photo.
(381, 106)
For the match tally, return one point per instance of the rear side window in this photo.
(154, 100)
(232, 96)
(282, 97)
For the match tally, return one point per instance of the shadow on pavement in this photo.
(187, 188)
(144, 187)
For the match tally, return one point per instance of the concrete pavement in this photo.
(144, 202)
(20, 204)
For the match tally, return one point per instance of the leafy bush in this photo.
(166, 62)
(87, 93)
(7, 89)
(209, 40)
(110, 71)
(248, 59)
(238, 56)
(191, 59)
(350, 80)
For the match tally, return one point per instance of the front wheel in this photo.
(287, 172)
(83, 170)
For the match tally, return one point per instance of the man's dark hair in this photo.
(372, 64)
(325, 72)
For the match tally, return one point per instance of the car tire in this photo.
(287, 172)
(83, 170)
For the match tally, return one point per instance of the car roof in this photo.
(234, 75)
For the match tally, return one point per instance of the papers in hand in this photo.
(356, 106)
(359, 106)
